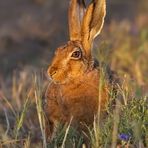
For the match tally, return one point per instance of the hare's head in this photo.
(74, 58)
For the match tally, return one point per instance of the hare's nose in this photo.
(52, 71)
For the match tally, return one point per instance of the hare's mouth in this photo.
(58, 79)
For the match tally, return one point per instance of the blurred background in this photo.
(31, 30)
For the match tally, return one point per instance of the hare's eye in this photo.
(76, 54)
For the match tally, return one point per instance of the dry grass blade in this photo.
(40, 114)
(7, 121)
(27, 142)
(116, 124)
(66, 133)
(13, 141)
(10, 105)
(21, 118)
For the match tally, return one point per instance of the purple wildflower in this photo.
(124, 137)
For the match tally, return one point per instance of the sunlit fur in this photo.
(65, 66)
(76, 91)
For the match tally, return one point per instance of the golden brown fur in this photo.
(78, 99)
(74, 89)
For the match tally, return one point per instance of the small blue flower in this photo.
(124, 137)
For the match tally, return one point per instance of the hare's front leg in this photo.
(52, 119)
(51, 130)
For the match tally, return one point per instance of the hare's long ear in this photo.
(92, 23)
(76, 12)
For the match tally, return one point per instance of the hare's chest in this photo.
(53, 93)
(79, 96)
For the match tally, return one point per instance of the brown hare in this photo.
(74, 94)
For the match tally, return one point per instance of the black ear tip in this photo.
(81, 3)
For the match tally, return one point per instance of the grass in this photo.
(126, 125)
